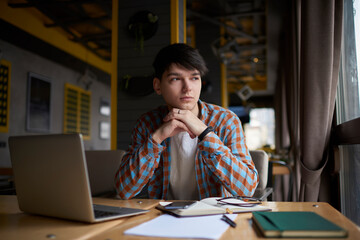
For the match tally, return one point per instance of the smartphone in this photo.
(179, 205)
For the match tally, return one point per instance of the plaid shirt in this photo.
(223, 164)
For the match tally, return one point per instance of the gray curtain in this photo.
(311, 57)
(321, 31)
(286, 97)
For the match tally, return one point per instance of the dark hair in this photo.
(179, 53)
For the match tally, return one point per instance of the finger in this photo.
(192, 135)
(175, 113)
(181, 127)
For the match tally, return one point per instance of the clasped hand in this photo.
(176, 121)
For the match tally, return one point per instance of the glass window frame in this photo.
(346, 135)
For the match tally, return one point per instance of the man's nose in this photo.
(186, 85)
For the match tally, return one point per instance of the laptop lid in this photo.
(51, 177)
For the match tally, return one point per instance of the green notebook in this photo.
(296, 224)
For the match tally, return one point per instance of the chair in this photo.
(280, 167)
(102, 166)
(261, 161)
(7, 186)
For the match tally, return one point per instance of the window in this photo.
(348, 109)
(105, 109)
(77, 111)
(38, 109)
(260, 131)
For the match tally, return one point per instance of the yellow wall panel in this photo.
(77, 111)
(5, 76)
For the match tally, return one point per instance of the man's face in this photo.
(179, 87)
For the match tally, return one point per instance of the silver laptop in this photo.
(51, 179)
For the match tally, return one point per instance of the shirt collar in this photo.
(203, 110)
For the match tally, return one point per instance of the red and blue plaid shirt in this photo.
(223, 163)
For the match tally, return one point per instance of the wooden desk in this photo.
(17, 225)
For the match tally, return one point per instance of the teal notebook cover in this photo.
(296, 224)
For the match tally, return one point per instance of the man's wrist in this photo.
(205, 132)
(156, 138)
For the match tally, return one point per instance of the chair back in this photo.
(102, 166)
(261, 161)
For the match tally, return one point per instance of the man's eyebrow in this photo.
(173, 74)
(178, 74)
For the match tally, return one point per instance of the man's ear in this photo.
(156, 85)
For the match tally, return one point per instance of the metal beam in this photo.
(244, 14)
(78, 20)
(37, 3)
(217, 22)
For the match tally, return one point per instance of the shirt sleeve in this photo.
(229, 159)
(139, 163)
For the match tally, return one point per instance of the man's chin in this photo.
(181, 106)
(190, 105)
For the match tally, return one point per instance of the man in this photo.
(187, 149)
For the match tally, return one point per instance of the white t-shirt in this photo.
(183, 184)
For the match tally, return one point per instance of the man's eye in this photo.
(175, 79)
(195, 78)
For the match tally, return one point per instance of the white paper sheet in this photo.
(209, 227)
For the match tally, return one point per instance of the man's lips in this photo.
(187, 98)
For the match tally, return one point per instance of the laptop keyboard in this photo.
(103, 214)
(102, 211)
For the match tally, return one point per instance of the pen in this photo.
(228, 221)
